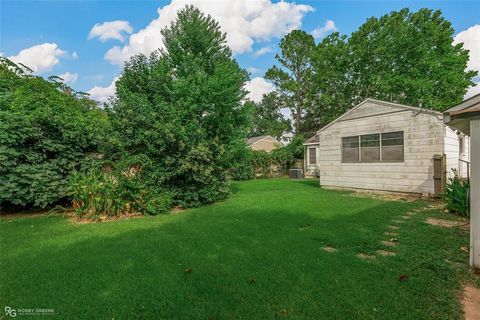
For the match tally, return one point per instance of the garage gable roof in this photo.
(398, 106)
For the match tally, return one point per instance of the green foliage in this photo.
(107, 189)
(266, 118)
(248, 164)
(293, 79)
(408, 57)
(455, 195)
(46, 131)
(182, 109)
(404, 57)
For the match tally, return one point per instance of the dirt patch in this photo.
(388, 243)
(444, 223)
(471, 302)
(364, 256)
(393, 227)
(177, 210)
(393, 234)
(386, 253)
(411, 213)
(75, 220)
(329, 249)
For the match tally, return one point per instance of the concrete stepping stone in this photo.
(398, 221)
(329, 249)
(364, 256)
(386, 253)
(406, 217)
(393, 227)
(393, 234)
(388, 243)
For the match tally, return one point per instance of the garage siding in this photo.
(423, 137)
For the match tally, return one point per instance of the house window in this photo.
(350, 149)
(392, 146)
(377, 147)
(312, 155)
(370, 148)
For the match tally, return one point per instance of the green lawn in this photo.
(257, 255)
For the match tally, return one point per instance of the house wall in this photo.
(311, 170)
(423, 137)
(267, 144)
(452, 152)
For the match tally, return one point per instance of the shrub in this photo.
(46, 130)
(455, 195)
(107, 189)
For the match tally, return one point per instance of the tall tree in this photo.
(409, 58)
(331, 81)
(182, 108)
(293, 78)
(267, 118)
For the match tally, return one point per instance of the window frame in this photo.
(380, 147)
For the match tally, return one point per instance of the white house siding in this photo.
(423, 137)
(311, 170)
(452, 150)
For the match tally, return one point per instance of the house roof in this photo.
(386, 103)
(459, 116)
(253, 140)
(312, 140)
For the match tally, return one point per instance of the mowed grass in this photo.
(257, 255)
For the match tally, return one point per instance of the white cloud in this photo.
(257, 87)
(321, 32)
(472, 91)
(69, 77)
(264, 50)
(39, 58)
(471, 41)
(244, 21)
(101, 94)
(110, 30)
(74, 55)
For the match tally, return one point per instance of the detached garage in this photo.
(379, 145)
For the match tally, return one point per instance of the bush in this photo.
(46, 130)
(111, 190)
(455, 195)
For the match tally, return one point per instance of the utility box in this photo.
(295, 174)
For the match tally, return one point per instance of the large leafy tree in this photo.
(408, 57)
(331, 79)
(293, 78)
(182, 108)
(267, 118)
(46, 131)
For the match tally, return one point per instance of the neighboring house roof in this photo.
(251, 141)
(398, 105)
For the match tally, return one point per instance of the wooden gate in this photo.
(439, 174)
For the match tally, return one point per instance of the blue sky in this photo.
(58, 31)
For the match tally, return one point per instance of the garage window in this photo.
(375, 147)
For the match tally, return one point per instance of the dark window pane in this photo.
(392, 138)
(392, 147)
(350, 149)
(370, 140)
(312, 156)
